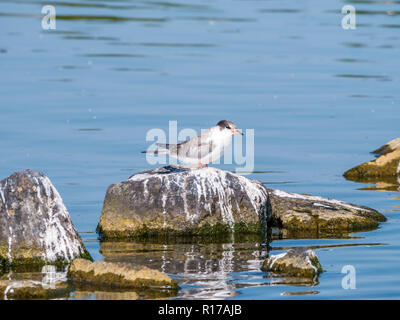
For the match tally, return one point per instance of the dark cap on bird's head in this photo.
(228, 125)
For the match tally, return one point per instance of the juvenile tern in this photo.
(204, 148)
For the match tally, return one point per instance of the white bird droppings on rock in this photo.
(186, 198)
(38, 226)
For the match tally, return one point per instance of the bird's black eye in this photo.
(228, 127)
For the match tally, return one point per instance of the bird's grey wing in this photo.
(197, 147)
(173, 148)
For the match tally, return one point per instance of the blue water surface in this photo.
(76, 104)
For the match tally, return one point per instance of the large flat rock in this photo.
(300, 213)
(182, 201)
(35, 226)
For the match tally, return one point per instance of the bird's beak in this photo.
(236, 131)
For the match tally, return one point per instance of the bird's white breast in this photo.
(220, 139)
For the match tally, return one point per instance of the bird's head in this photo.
(228, 125)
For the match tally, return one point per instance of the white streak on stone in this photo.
(163, 200)
(276, 257)
(3, 198)
(284, 194)
(321, 205)
(141, 176)
(145, 191)
(209, 182)
(55, 239)
(10, 244)
(185, 205)
(311, 254)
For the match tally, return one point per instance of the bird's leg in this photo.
(201, 166)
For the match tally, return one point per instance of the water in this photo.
(76, 103)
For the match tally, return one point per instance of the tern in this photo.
(204, 148)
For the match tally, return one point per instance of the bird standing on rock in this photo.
(204, 148)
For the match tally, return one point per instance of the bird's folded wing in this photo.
(197, 147)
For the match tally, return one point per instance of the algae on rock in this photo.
(177, 201)
(297, 262)
(386, 168)
(180, 201)
(118, 275)
(299, 213)
(35, 226)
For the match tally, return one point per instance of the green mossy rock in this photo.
(385, 168)
(117, 275)
(307, 214)
(297, 262)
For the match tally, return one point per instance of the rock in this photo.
(48, 284)
(299, 293)
(388, 147)
(35, 226)
(117, 275)
(297, 262)
(299, 213)
(179, 201)
(124, 295)
(27, 289)
(385, 168)
(106, 295)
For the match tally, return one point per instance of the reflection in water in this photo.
(49, 283)
(50, 276)
(105, 295)
(299, 293)
(275, 279)
(203, 270)
(87, 292)
(209, 270)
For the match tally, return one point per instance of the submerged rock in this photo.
(117, 275)
(312, 214)
(385, 168)
(35, 226)
(47, 284)
(28, 289)
(297, 262)
(179, 201)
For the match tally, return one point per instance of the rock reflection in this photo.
(299, 293)
(203, 270)
(274, 280)
(50, 283)
(104, 295)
